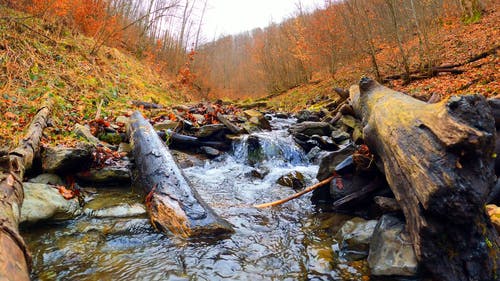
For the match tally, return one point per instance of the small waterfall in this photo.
(276, 147)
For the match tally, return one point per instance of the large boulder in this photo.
(311, 128)
(44, 202)
(330, 161)
(391, 251)
(354, 238)
(67, 159)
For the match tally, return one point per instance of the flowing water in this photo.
(293, 241)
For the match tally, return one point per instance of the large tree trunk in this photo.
(173, 205)
(15, 259)
(438, 161)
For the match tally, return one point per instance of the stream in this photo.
(294, 241)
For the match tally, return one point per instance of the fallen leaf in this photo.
(66, 193)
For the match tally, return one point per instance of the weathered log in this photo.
(179, 141)
(172, 204)
(437, 159)
(15, 259)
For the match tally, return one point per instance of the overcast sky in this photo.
(224, 17)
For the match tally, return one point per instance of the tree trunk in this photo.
(15, 259)
(173, 205)
(438, 161)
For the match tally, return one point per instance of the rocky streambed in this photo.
(104, 234)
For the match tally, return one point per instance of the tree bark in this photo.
(438, 161)
(15, 260)
(173, 205)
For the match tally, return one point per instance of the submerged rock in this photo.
(119, 211)
(44, 202)
(52, 179)
(354, 238)
(108, 174)
(391, 251)
(67, 159)
(294, 180)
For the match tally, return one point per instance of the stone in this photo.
(122, 119)
(281, 115)
(391, 251)
(325, 142)
(210, 152)
(199, 118)
(67, 159)
(311, 128)
(354, 238)
(52, 179)
(108, 174)
(44, 202)
(257, 118)
(259, 173)
(124, 210)
(255, 153)
(328, 163)
(307, 115)
(185, 160)
(338, 136)
(294, 180)
(84, 132)
(210, 130)
(167, 125)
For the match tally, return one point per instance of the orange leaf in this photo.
(9, 115)
(66, 193)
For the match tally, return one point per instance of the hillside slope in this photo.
(38, 59)
(455, 43)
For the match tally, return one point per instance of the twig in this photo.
(296, 195)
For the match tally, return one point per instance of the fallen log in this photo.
(172, 204)
(179, 141)
(437, 159)
(15, 260)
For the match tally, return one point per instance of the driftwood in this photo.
(296, 195)
(15, 259)
(179, 141)
(437, 159)
(173, 205)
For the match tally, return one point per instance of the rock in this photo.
(315, 154)
(355, 125)
(199, 118)
(494, 213)
(111, 138)
(259, 173)
(52, 179)
(84, 132)
(386, 204)
(339, 136)
(108, 174)
(124, 210)
(281, 115)
(257, 118)
(311, 128)
(44, 202)
(185, 160)
(210, 130)
(167, 125)
(294, 180)
(349, 121)
(354, 238)
(255, 151)
(122, 119)
(330, 161)
(210, 152)
(391, 251)
(67, 159)
(307, 115)
(325, 142)
(124, 148)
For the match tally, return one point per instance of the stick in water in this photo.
(296, 195)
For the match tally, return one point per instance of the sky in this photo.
(225, 17)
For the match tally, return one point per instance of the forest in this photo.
(354, 140)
